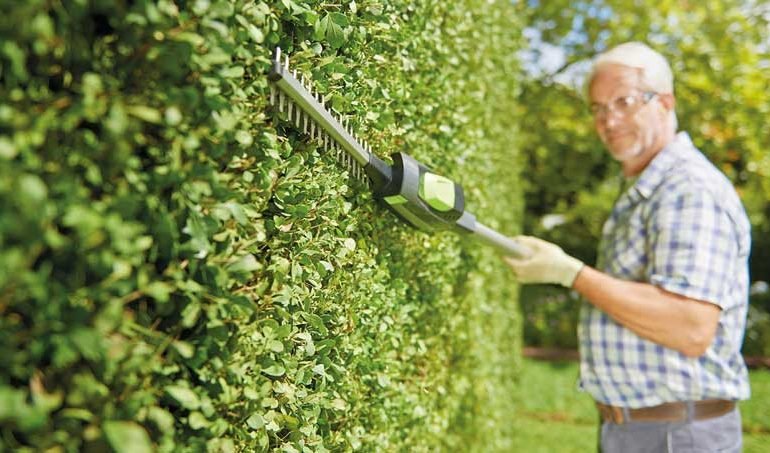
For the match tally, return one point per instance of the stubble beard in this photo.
(635, 149)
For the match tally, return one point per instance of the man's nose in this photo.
(610, 119)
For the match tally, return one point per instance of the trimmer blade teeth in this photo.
(357, 172)
(292, 95)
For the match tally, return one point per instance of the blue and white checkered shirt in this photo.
(681, 227)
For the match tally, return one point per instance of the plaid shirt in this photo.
(681, 227)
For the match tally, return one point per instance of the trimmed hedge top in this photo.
(180, 270)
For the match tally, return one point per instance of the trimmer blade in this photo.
(293, 95)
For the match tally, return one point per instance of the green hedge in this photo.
(181, 271)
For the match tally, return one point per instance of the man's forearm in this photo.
(677, 322)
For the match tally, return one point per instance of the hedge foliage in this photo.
(180, 270)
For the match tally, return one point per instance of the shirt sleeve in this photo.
(693, 246)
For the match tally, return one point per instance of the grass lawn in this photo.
(555, 417)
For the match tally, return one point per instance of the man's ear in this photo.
(668, 100)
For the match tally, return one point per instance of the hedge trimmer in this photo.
(423, 199)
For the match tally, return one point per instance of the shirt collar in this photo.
(652, 176)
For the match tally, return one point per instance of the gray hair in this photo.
(656, 72)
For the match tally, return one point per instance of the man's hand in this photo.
(547, 264)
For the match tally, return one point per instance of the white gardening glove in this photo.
(547, 263)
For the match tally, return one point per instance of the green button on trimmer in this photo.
(437, 191)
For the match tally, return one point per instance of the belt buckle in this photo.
(617, 415)
(612, 413)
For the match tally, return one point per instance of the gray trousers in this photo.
(719, 434)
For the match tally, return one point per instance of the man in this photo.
(661, 335)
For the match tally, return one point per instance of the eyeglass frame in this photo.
(605, 109)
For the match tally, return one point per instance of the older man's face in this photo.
(628, 133)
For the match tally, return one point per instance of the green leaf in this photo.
(335, 35)
(82, 218)
(145, 113)
(184, 396)
(12, 402)
(17, 57)
(88, 342)
(173, 116)
(64, 354)
(232, 72)
(190, 314)
(190, 37)
(255, 421)
(274, 370)
(162, 419)
(32, 189)
(199, 240)
(339, 404)
(255, 33)
(320, 26)
(127, 437)
(196, 420)
(339, 19)
(247, 264)
(275, 346)
(7, 148)
(244, 138)
(221, 445)
(184, 348)
(324, 267)
(160, 291)
(316, 321)
(330, 28)
(238, 213)
(76, 413)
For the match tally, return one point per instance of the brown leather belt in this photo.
(667, 412)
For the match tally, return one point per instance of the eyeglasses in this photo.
(624, 106)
